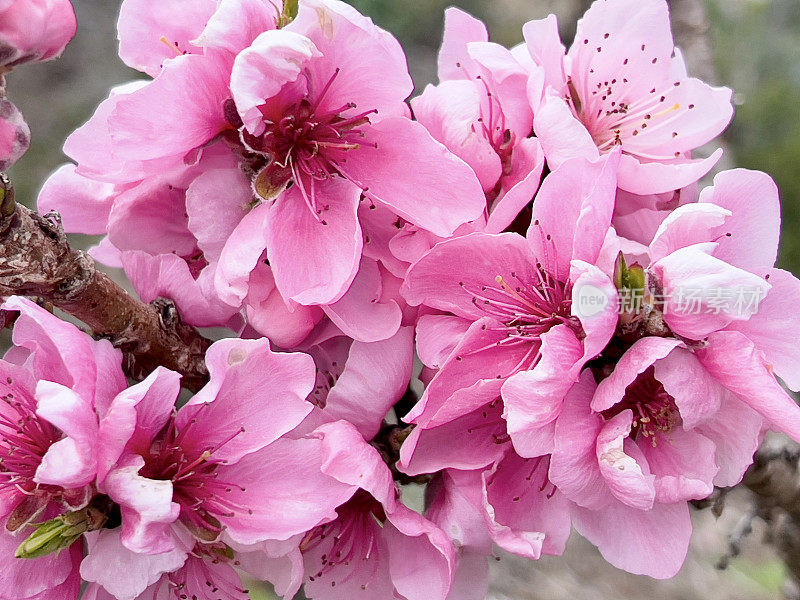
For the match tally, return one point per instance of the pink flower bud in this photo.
(34, 30)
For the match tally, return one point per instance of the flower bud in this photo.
(34, 30)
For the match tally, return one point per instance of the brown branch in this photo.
(36, 260)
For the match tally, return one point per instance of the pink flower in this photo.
(622, 83)
(377, 548)
(34, 30)
(311, 101)
(515, 326)
(15, 135)
(685, 389)
(53, 380)
(222, 248)
(480, 111)
(220, 472)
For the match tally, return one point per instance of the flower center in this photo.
(654, 410)
(199, 485)
(613, 119)
(218, 583)
(24, 439)
(351, 537)
(306, 143)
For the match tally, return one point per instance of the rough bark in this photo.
(36, 260)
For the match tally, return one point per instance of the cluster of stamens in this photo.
(351, 537)
(24, 440)
(654, 410)
(197, 477)
(305, 144)
(612, 117)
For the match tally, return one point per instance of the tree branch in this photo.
(36, 260)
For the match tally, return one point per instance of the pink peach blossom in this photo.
(54, 379)
(516, 328)
(623, 83)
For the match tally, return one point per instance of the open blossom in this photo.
(34, 30)
(623, 83)
(376, 548)
(216, 476)
(317, 139)
(686, 388)
(53, 379)
(515, 328)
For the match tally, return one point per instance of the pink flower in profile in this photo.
(480, 111)
(15, 135)
(517, 326)
(623, 83)
(53, 380)
(376, 548)
(34, 30)
(217, 474)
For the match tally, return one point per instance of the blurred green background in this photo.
(752, 46)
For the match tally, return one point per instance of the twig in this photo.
(36, 260)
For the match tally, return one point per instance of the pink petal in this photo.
(704, 294)
(687, 225)
(437, 336)
(774, 330)
(736, 432)
(60, 351)
(275, 58)
(572, 212)
(645, 178)
(361, 313)
(450, 112)
(236, 23)
(574, 468)
(72, 461)
(460, 28)
(216, 202)
(286, 324)
(697, 395)
(421, 558)
(749, 238)
(562, 136)
(147, 510)
(526, 171)
(83, 204)
(254, 396)
(468, 442)
(533, 399)
(526, 515)
(739, 366)
(317, 263)
(373, 72)
(150, 34)
(242, 251)
(447, 191)
(134, 571)
(440, 279)
(168, 116)
(683, 463)
(634, 540)
(636, 360)
(375, 376)
(284, 492)
(628, 479)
